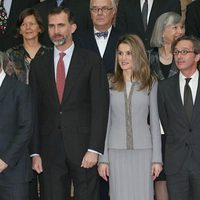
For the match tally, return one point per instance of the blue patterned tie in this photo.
(3, 17)
(102, 34)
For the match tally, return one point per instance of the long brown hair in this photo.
(141, 70)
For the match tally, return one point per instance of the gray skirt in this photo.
(130, 174)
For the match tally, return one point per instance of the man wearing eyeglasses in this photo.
(102, 37)
(179, 109)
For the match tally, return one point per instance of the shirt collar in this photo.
(194, 76)
(2, 76)
(67, 52)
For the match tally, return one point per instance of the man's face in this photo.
(188, 62)
(60, 30)
(102, 14)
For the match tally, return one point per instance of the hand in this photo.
(155, 170)
(3, 165)
(37, 164)
(103, 170)
(89, 159)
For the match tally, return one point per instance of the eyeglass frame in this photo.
(182, 52)
(104, 9)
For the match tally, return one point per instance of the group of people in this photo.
(82, 103)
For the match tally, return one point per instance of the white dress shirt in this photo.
(7, 5)
(67, 58)
(193, 85)
(2, 76)
(150, 4)
(102, 42)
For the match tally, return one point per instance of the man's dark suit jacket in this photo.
(192, 21)
(82, 115)
(181, 134)
(79, 8)
(87, 40)
(9, 39)
(129, 17)
(15, 131)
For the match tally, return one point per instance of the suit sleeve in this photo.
(154, 125)
(99, 106)
(162, 107)
(19, 143)
(121, 22)
(104, 158)
(34, 144)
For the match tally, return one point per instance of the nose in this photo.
(99, 11)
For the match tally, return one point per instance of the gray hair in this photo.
(112, 1)
(3, 60)
(164, 20)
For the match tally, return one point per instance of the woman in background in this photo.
(168, 27)
(132, 154)
(29, 27)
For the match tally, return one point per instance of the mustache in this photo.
(57, 35)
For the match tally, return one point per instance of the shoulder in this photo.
(169, 82)
(85, 54)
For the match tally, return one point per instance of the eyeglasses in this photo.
(182, 52)
(102, 9)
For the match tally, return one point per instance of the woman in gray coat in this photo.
(132, 156)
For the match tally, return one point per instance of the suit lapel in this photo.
(177, 98)
(4, 89)
(111, 42)
(50, 74)
(196, 107)
(73, 73)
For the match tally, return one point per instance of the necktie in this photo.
(59, 2)
(102, 34)
(3, 17)
(144, 14)
(188, 102)
(60, 76)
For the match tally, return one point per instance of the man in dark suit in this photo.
(129, 16)
(13, 9)
(15, 134)
(79, 8)
(71, 94)
(192, 21)
(102, 15)
(179, 109)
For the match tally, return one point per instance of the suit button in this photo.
(60, 112)
(186, 144)
(190, 130)
(59, 127)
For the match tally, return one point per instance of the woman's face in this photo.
(29, 28)
(172, 32)
(125, 57)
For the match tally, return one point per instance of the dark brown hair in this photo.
(60, 9)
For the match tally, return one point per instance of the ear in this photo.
(73, 28)
(197, 57)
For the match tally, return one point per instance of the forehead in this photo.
(58, 18)
(184, 44)
(101, 3)
(29, 18)
(124, 47)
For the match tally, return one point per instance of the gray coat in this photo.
(145, 135)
